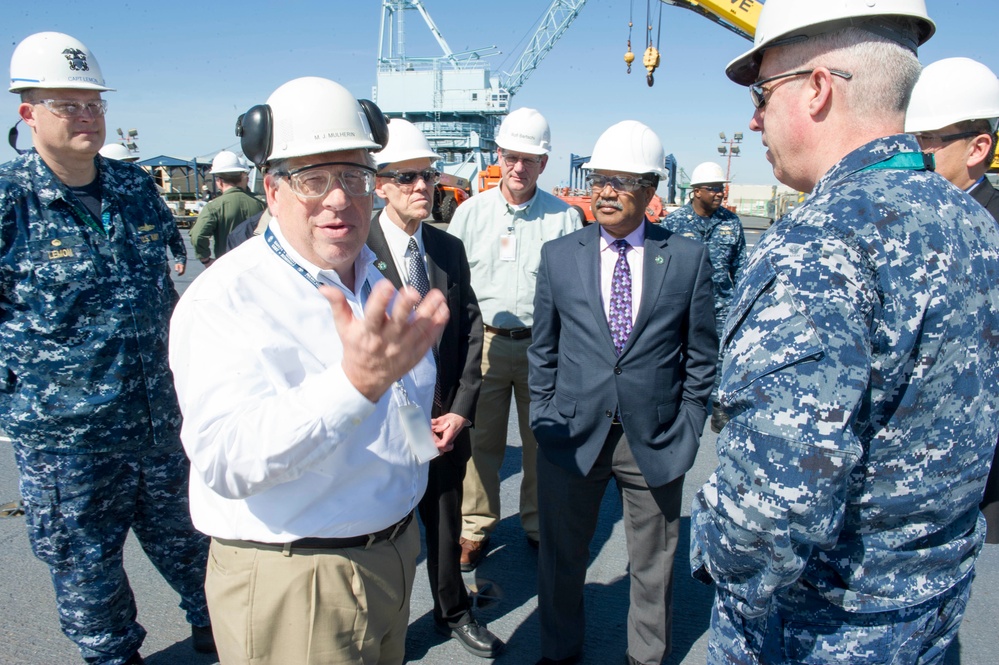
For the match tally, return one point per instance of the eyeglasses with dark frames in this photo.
(68, 108)
(928, 139)
(315, 180)
(429, 176)
(620, 183)
(759, 94)
(716, 189)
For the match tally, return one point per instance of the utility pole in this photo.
(730, 149)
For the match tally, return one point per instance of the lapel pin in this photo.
(659, 259)
(381, 265)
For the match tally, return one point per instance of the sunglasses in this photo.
(620, 183)
(429, 176)
(759, 94)
(717, 189)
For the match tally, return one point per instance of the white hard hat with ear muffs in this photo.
(310, 116)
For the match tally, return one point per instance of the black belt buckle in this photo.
(519, 333)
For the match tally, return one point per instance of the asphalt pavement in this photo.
(507, 601)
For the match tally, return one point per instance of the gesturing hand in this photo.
(383, 346)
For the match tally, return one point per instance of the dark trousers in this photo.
(569, 506)
(78, 510)
(440, 510)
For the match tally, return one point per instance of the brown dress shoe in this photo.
(472, 552)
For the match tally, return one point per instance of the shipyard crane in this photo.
(454, 98)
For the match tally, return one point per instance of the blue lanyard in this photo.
(276, 247)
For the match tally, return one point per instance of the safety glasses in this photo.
(429, 176)
(759, 94)
(65, 108)
(316, 180)
(620, 183)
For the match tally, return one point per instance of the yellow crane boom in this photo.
(739, 16)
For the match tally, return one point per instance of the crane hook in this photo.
(651, 62)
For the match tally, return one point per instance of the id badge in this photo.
(418, 434)
(508, 247)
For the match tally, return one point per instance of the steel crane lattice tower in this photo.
(454, 98)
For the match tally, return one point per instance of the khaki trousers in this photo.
(504, 372)
(312, 607)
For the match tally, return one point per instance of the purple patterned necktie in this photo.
(419, 281)
(620, 298)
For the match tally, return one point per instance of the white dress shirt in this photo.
(282, 445)
(398, 245)
(636, 261)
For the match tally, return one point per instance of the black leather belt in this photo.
(512, 333)
(388, 533)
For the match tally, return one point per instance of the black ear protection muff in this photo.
(255, 129)
(376, 120)
(12, 138)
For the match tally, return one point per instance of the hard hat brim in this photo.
(21, 86)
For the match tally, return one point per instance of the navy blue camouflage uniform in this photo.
(842, 522)
(87, 396)
(726, 242)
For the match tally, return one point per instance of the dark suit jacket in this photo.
(987, 195)
(661, 382)
(460, 348)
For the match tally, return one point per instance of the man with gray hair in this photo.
(842, 522)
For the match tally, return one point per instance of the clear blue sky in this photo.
(184, 70)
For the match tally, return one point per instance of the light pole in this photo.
(729, 148)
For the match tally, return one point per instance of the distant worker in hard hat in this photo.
(953, 113)
(223, 213)
(706, 220)
(411, 252)
(621, 369)
(308, 428)
(119, 152)
(503, 229)
(174, 240)
(87, 396)
(861, 372)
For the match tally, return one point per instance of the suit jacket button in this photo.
(617, 370)
(609, 414)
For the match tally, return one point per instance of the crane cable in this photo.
(629, 57)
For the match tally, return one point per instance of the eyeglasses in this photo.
(511, 160)
(759, 94)
(429, 176)
(314, 181)
(928, 140)
(64, 108)
(717, 189)
(620, 183)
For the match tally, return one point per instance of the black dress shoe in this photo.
(135, 659)
(475, 637)
(571, 660)
(202, 639)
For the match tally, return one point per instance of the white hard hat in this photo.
(54, 60)
(784, 22)
(312, 115)
(631, 147)
(405, 142)
(117, 151)
(227, 162)
(950, 91)
(525, 130)
(707, 173)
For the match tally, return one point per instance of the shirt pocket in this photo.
(151, 245)
(57, 261)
